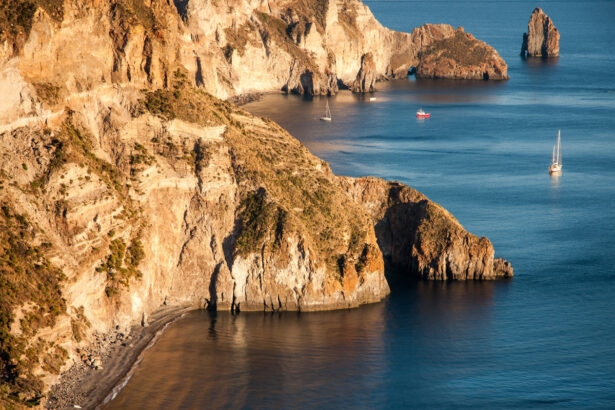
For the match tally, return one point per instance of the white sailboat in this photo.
(556, 159)
(327, 116)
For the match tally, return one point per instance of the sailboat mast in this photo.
(553, 156)
(559, 154)
(560, 151)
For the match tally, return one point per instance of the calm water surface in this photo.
(544, 339)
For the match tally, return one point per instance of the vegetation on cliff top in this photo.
(181, 101)
(16, 17)
(291, 190)
(294, 195)
(462, 48)
(137, 12)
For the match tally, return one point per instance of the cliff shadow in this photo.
(395, 233)
(212, 303)
(182, 8)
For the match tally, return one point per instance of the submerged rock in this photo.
(542, 38)
(462, 57)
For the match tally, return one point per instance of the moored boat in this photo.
(422, 114)
(556, 159)
(327, 116)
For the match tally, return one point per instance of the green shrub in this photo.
(26, 275)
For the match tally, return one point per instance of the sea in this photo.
(545, 339)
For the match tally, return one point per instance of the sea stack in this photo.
(542, 38)
(366, 77)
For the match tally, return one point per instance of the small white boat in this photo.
(327, 116)
(372, 98)
(422, 114)
(556, 160)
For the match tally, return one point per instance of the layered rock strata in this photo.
(461, 56)
(542, 38)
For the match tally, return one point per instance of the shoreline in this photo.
(91, 386)
(88, 387)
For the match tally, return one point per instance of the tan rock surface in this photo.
(229, 48)
(366, 78)
(542, 38)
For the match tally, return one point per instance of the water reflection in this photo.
(539, 63)
(259, 358)
(329, 359)
(555, 181)
(455, 85)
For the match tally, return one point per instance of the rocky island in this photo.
(461, 56)
(130, 187)
(542, 38)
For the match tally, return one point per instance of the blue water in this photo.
(544, 339)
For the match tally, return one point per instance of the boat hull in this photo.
(423, 115)
(325, 119)
(555, 169)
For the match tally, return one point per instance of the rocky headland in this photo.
(129, 187)
(461, 56)
(418, 237)
(542, 38)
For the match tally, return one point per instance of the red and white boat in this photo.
(422, 114)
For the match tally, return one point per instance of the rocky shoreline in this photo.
(107, 363)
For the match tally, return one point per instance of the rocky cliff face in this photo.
(542, 38)
(126, 186)
(420, 238)
(125, 201)
(228, 48)
(461, 56)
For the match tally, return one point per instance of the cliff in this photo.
(126, 186)
(420, 238)
(542, 38)
(227, 48)
(126, 201)
(461, 56)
